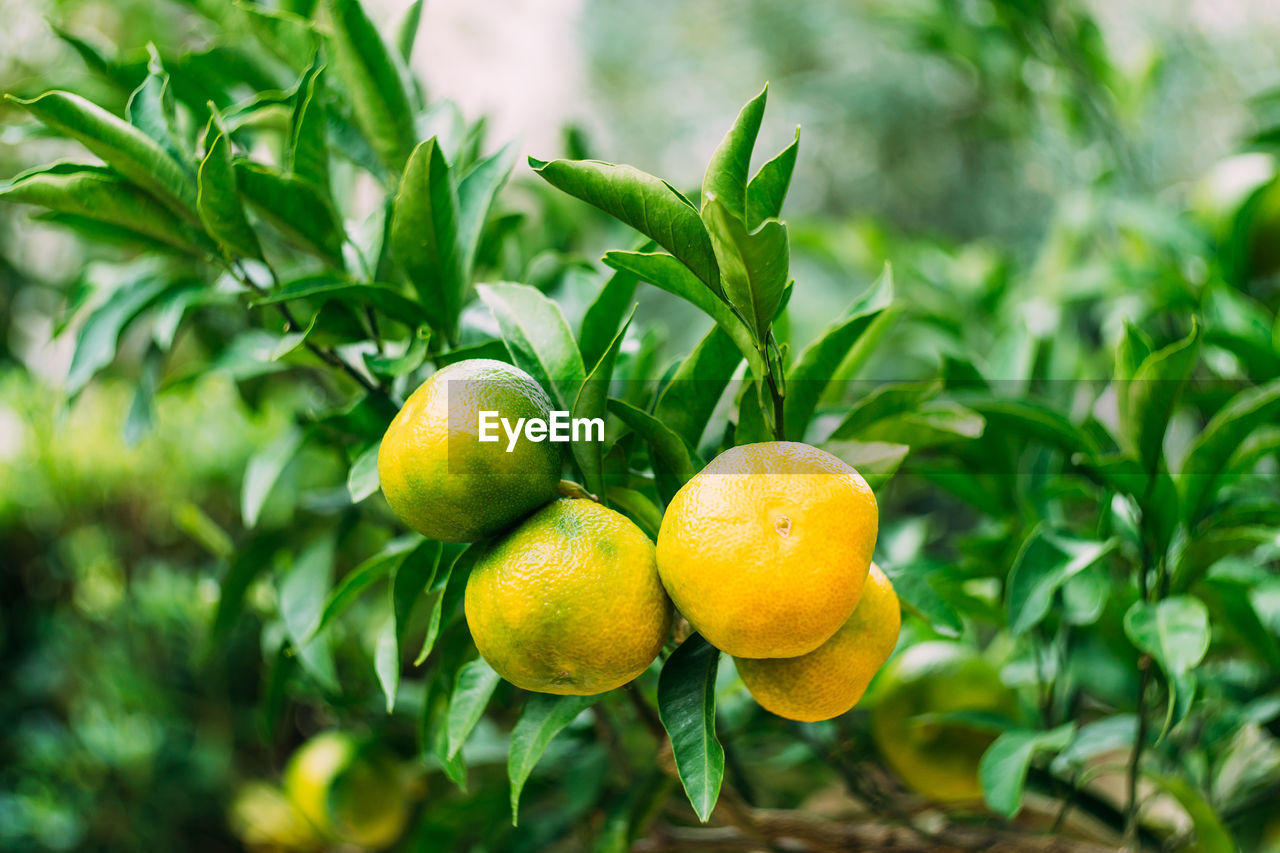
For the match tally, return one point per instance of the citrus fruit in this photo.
(569, 602)
(830, 680)
(348, 792)
(766, 549)
(935, 756)
(264, 820)
(445, 483)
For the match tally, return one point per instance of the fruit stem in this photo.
(773, 380)
(574, 491)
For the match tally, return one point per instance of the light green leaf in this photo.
(97, 194)
(363, 576)
(768, 189)
(1152, 395)
(687, 707)
(476, 193)
(98, 338)
(321, 289)
(590, 403)
(647, 204)
(726, 175)
(818, 363)
(876, 461)
(667, 273)
(290, 37)
(413, 575)
(375, 82)
(1094, 739)
(689, 398)
(152, 110)
(1211, 836)
(887, 401)
(471, 692)
(1044, 563)
(1175, 632)
(1004, 766)
(753, 265)
(362, 479)
(1224, 433)
(543, 717)
(294, 206)
(407, 34)
(538, 338)
(263, 471)
(425, 238)
(452, 587)
(121, 145)
(302, 593)
(218, 202)
(307, 154)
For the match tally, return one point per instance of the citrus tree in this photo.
(1078, 576)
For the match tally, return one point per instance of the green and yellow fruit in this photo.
(349, 792)
(441, 480)
(569, 602)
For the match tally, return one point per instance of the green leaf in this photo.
(1134, 348)
(638, 507)
(362, 479)
(604, 316)
(307, 154)
(768, 189)
(386, 661)
(538, 338)
(688, 400)
(647, 204)
(151, 109)
(248, 563)
(476, 193)
(120, 145)
(687, 707)
(1044, 563)
(819, 362)
(1004, 766)
(885, 402)
(141, 417)
(321, 289)
(1175, 632)
(1210, 834)
(543, 717)
(363, 576)
(876, 461)
(407, 34)
(98, 338)
(294, 206)
(1096, 738)
(674, 461)
(591, 402)
(374, 80)
(263, 471)
(726, 175)
(302, 593)
(393, 366)
(914, 587)
(290, 37)
(471, 692)
(97, 194)
(425, 238)
(453, 585)
(1224, 433)
(413, 575)
(1153, 393)
(1034, 421)
(753, 265)
(218, 202)
(667, 273)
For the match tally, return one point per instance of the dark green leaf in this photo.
(323, 288)
(590, 403)
(471, 692)
(876, 461)
(543, 717)
(302, 593)
(1004, 766)
(1044, 563)
(726, 175)
(374, 80)
(1224, 433)
(363, 576)
(647, 204)
(688, 400)
(674, 461)
(294, 206)
(818, 362)
(412, 576)
(308, 151)
(604, 316)
(753, 264)
(141, 415)
(666, 272)
(218, 202)
(1152, 395)
(249, 562)
(887, 401)
(453, 586)
(425, 238)
(687, 707)
(538, 338)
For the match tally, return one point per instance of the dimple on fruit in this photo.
(766, 550)
(830, 680)
(446, 484)
(936, 757)
(569, 602)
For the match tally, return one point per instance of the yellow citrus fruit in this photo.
(569, 602)
(935, 756)
(264, 820)
(350, 793)
(765, 551)
(445, 483)
(830, 680)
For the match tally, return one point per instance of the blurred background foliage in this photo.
(1039, 174)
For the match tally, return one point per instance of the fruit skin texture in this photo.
(765, 551)
(348, 793)
(446, 484)
(939, 760)
(831, 679)
(569, 602)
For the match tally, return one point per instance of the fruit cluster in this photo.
(766, 552)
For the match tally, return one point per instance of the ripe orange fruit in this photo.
(569, 602)
(441, 480)
(936, 757)
(830, 680)
(765, 551)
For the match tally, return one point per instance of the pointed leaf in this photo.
(753, 265)
(543, 717)
(1153, 393)
(476, 193)
(726, 175)
(647, 204)
(263, 471)
(1004, 766)
(688, 400)
(452, 584)
(1224, 433)
(591, 403)
(308, 150)
(294, 206)
(674, 461)
(538, 338)
(218, 202)
(1044, 563)
(303, 589)
(152, 110)
(768, 189)
(471, 692)
(687, 707)
(425, 238)
(603, 317)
